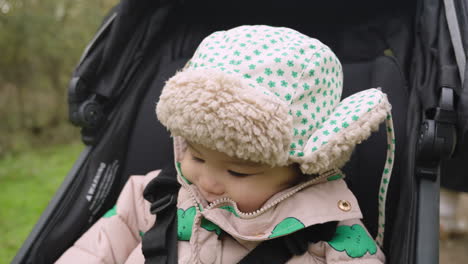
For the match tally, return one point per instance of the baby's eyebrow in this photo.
(232, 162)
(244, 163)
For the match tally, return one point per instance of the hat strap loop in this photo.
(385, 181)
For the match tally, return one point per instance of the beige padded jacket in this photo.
(221, 234)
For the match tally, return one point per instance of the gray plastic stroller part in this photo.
(427, 250)
(452, 171)
(438, 136)
(455, 35)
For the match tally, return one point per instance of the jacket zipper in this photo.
(195, 257)
(226, 200)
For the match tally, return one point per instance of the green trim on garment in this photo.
(179, 169)
(334, 177)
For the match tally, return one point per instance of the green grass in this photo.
(28, 180)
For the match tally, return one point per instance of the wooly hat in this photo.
(269, 95)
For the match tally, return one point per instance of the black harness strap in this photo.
(282, 249)
(159, 244)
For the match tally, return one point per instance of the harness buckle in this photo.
(161, 204)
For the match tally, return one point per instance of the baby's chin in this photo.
(248, 208)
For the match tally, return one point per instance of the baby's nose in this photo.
(210, 185)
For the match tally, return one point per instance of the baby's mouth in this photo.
(209, 198)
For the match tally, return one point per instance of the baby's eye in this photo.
(197, 159)
(238, 174)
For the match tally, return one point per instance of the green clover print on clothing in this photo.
(111, 212)
(185, 223)
(210, 226)
(287, 226)
(354, 240)
(230, 209)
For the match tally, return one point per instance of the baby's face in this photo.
(249, 184)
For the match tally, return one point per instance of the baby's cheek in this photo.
(187, 169)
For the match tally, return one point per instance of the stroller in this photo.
(413, 50)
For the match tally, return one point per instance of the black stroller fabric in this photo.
(435, 67)
(142, 43)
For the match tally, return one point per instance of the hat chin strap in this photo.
(385, 181)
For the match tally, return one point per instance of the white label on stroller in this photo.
(101, 186)
(96, 179)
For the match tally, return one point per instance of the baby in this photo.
(259, 136)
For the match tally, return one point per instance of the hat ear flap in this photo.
(351, 122)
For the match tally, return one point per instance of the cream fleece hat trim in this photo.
(224, 113)
(351, 122)
(269, 95)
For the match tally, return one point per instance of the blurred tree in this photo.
(40, 43)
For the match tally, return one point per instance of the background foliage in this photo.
(29, 180)
(40, 43)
